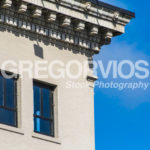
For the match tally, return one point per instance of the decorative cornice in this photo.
(96, 14)
(111, 7)
(52, 17)
(6, 4)
(57, 19)
(88, 6)
(22, 7)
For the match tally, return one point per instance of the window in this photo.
(8, 101)
(43, 109)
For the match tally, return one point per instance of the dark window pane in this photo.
(46, 103)
(42, 126)
(42, 109)
(1, 91)
(7, 117)
(8, 114)
(45, 126)
(37, 100)
(10, 90)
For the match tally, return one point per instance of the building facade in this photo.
(42, 113)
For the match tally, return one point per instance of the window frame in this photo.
(51, 119)
(15, 109)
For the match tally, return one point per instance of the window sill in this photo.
(11, 129)
(46, 138)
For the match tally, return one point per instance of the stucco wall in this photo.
(74, 108)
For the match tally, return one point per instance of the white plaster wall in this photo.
(75, 117)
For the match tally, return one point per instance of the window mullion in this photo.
(41, 102)
(4, 90)
(52, 113)
(15, 94)
(15, 101)
(52, 104)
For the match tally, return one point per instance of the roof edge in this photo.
(112, 7)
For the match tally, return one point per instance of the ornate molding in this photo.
(52, 16)
(6, 3)
(38, 17)
(97, 15)
(88, 6)
(66, 21)
(116, 16)
(37, 12)
(94, 30)
(80, 26)
(22, 8)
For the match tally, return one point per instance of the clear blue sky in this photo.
(122, 118)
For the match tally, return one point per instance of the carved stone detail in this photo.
(7, 3)
(109, 35)
(22, 7)
(37, 12)
(80, 26)
(52, 17)
(94, 30)
(116, 16)
(66, 21)
(87, 6)
(76, 33)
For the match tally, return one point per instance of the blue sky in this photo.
(122, 118)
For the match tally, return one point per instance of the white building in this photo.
(42, 113)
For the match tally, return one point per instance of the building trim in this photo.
(11, 129)
(109, 6)
(46, 138)
(81, 25)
